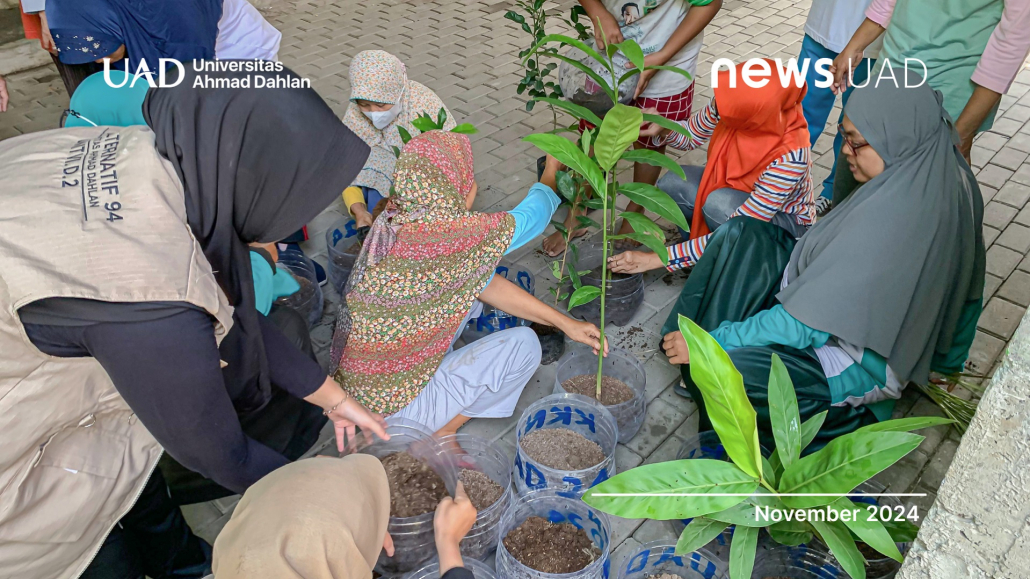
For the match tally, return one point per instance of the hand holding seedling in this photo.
(606, 27)
(362, 218)
(452, 521)
(585, 333)
(634, 262)
(675, 347)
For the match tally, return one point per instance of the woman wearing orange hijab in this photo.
(759, 163)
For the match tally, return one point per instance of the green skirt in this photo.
(738, 276)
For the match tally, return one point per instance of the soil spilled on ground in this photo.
(549, 547)
(415, 489)
(562, 449)
(613, 390)
(481, 489)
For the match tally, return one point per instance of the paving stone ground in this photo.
(466, 52)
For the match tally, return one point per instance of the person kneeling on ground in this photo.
(418, 280)
(884, 289)
(759, 166)
(324, 518)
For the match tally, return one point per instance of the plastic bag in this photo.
(582, 90)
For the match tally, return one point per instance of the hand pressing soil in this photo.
(415, 489)
(562, 449)
(613, 390)
(549, 547)
(481, 489)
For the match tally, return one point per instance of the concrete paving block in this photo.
(900, 476)
(1016, 288)
(1009, 158)
(660, 375)
(990, 235)
(1001, 261)
(991, 284)
(933, 436)
(666, 452)
(622, 550)
(983, 352)
(934, 471)
(1011, 193)
(655, 531)
(659, 423)
(921, 504)
(1001, 317)
(998, 215)
(1015, 237)
(625, 458)
(994, 176)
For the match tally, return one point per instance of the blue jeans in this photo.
(819, 102)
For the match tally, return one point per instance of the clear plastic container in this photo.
(801, 562)
(479, 570)
(412, 536)
(578, 414)
(620, 364)
(341, 241)
(307, 300)
(878, 566)
(658, 557)
(489, 458)
(582, 90)
(556, 508)
(493, 320)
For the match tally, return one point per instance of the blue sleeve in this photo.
(532, 215)
(772, 326)
(269, 284)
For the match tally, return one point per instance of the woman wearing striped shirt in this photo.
(759, 165)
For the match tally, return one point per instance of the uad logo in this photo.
(164, 65)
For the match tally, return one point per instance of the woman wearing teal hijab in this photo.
(119, 104)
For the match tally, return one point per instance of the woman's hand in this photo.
(675, 348)
(648, 129)
(47, 39)
(362, 218)
(351, 414)
(634, 262)
(3, 95)
(654, 59)
(452, 521)
(606, 28)
(843, 67)
(585, 333)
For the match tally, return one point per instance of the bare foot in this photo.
(554, 244)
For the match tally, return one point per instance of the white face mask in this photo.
(382, 119)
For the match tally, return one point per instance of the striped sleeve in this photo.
(776, 186)
(687, 253)
(701, 126)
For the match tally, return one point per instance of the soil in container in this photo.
(549, 547)
(302, 300)
(415, 489)
(664, 576)
(552, 342)
(562, 449)
(481, 489)
(622, 302)
(613, 390)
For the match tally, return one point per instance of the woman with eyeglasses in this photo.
(883, 290)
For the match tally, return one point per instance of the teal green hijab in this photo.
(103, 104)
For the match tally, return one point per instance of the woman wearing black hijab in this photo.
(255, 164)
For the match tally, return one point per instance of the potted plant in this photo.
(733, 493)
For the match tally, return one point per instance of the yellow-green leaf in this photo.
(619, 129)
(743, 548)
(783, 413)
(698, 533)
(868, 528)
(842, 545)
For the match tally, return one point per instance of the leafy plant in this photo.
(593, 158)
(425, 123)
(729, 493)
(958, 409)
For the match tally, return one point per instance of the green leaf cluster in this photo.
(786, 481)
(425, 123)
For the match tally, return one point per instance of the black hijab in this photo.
(256, 165)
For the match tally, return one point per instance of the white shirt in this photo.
(243, 34)
(831, 23)
(651, 23)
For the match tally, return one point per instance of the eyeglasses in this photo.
(854, 147)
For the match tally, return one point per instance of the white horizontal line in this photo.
(753, 494)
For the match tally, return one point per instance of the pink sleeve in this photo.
(1007, 49)
(880, 11)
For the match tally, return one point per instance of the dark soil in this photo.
(544, 330)
(595, 274)
(552, 343)
(415, 489)
(353, 249)
(613, 390)
(549, 547)
(302, 299)
(562, 449)
(481, 489)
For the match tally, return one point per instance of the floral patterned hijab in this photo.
(422, 267)
(378, 76)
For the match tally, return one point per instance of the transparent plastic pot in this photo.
(487, 457)
(800, 562)
(341, 241)
(581, 89)
(556, 508)
(659, 557)
(412, 536)
(878, 566)
(620, 364)
(493, 320)
(578, 414)
(307, 301)
(479, 570)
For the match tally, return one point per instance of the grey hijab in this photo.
(891, 268)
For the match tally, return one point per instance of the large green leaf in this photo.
(726, 402)
(809, 429)
(566, 186)
(573, 109)
(654, 199)
(867, 528)
(643, 224)
(568, 153)
(791, 533)
(698, 533)
(585, 294)
(770, 473)
(843, 464)
(668, 124)
(675, 69)
(746, 513)
(906, 424)
(842, 545)
(783, 413)
(660, 484)
(619, 129)
(652, 243)
(656, 159)
(902, 531)
(743, 548)
(632, 50)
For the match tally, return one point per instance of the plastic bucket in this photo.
(796, 563)
(307, 301)
(493, 320)
(578, 414)
(620, 364)
(486, 457)
(339, 241)
(432, 571)
(622, 298)
(659, 557)
(412, 536)
(555, 508)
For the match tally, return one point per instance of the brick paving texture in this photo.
(467, 53)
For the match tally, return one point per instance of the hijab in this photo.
(891, 268)
(318, 518)
(381, 77)
(756, 127)
(86, 30)
(421, 269)
(256, 165)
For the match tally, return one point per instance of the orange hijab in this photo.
(756, 127)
